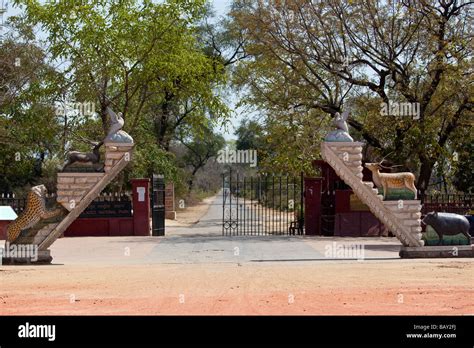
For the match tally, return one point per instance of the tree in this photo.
(137, 57)
(284, 144)
(144, 59)
(108, 44)
(201, 147)
(28, 126)
(463, 174)
(249, 135)
(325, 55)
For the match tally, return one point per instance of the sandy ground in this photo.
(195, 270)
(443, 288)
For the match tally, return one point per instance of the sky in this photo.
(221, 7)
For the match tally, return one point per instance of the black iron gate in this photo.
(158, 205)
(262, 205)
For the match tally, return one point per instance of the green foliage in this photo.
(150, 159)
(145, 59)
(201, 146)
(463, 162)
(249, 135)
(286, 143)
(28, 126)
(308, 61)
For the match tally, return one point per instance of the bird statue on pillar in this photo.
(116, 122)
(342, 132)
(115, 133)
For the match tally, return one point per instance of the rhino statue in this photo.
(447, 224)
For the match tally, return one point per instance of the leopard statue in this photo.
(34, 212)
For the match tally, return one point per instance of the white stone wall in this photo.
(350, 154)
(408, 212)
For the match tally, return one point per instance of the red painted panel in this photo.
(370, 225)
(125, 228)
(347, 225)
(3, 229)
(90, 227)
(330, 179)
(343, 201)
(358, 224)
(312, 206)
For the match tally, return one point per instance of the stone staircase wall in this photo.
(402, 217)
(120, 155)
(408, 213)
(75, 192)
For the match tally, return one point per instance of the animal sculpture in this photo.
(447, 224)
(391, 180)
(34, 212)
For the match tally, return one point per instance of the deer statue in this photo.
(391, 180)
(85, 157)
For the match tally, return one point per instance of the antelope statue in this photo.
(391, 180)
(85, 157)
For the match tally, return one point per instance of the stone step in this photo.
(350, 157)
(403, 206)
(43, 257)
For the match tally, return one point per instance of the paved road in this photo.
(204, 243)
(209, 225)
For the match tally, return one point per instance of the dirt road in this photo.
(194, 270)
(319, 288)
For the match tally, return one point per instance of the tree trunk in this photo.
(104, 118)
(191, 181)
(161, 122)
(161, 126)
(190, 184)
(424, 178)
